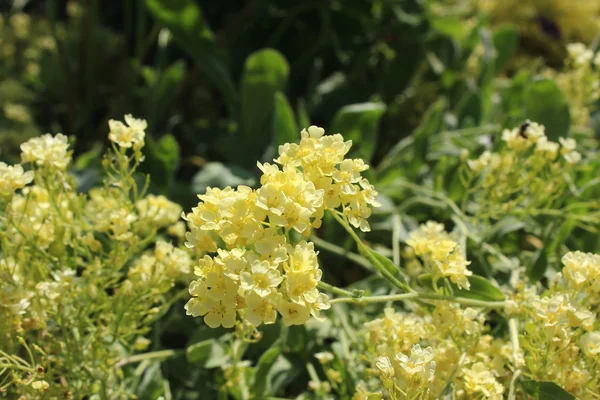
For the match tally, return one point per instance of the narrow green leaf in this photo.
(303, 118)
(266, 361)
(285, 128)
(265, 73)
(481, 288)
(191, 31)
(546, 104)
(542, 390)
(388, 264)
(359, 123)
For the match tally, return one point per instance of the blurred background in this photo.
(222, 83)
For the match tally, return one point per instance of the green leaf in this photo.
(539, 263)
(208, 353)
(542, 390)
(546, 104)
(191, 31)
(303, 118)
(216, 174)
(359, 123)
(506, 42)
(481, 288)
(265, 73)
(266, 361)
(448, 26)
(162, 160)
(151, 385)
(285, 128)
(388, 264)
(162, 92)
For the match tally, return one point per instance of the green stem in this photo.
(332, 248)
(421, 296)
(162, 354)
(382, 269)
(335, 289)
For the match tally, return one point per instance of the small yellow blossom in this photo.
(130, 135)
(12, 177)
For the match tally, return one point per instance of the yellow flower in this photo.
(293, 313)
(590, 343)
(12, 177)
(262, 279)
(261, 309)
(130, 135)
(48, 151)
(216, 312)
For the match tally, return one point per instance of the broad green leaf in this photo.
(285, 128)
(448, 26)
(481, 288)
(191, 31)
(266, 361)
(546, 104)
(265, 73)
(359, 123)
(208, 353)
(506, 41)
(216, 174)
(162, 160)
(151, 384)
(85, 160)
(542, 390)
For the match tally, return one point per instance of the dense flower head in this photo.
(13, 177)
(441, 253)
(130, 134)
(320, 158)
(526, 171)
(48, 151)
(258, 269)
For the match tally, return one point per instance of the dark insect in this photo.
(523, 128)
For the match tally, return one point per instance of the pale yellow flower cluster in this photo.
(39, 220)
(13, 177)
(258, 270)
(321, 161)
(158, 211)
(47, 151)
(562, 338)
(442, 254)
(160, 268)
(130, 135)
(480, 381)
(412, 374)
(456, 338)
(91, 260)
(579, 79)
(582, 271)
(526, 172)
